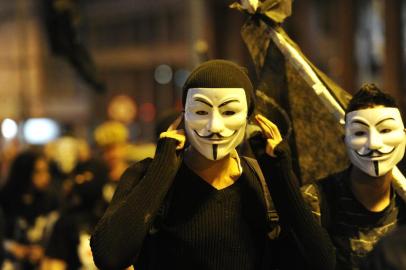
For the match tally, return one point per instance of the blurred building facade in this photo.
(144, 49)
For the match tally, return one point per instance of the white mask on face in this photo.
(375, 139)
(215, 120)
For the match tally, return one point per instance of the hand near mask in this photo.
(174, 133)
(271, 132)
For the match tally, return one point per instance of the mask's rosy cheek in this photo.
(394, 138)
(235, 122)
(355, 142)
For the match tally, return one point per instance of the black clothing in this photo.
(119, 235)
(204, 228)
(389, 253)
(311, 242)
(353, 228)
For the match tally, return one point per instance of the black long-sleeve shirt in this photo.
(119, 235)
(311, 239)
(204, 228)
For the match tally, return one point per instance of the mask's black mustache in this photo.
(210, 135)
(375, 153)
(219, 136)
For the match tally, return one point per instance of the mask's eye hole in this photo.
(202, 113)
(385, 130)
(228, 113)
(360, 133)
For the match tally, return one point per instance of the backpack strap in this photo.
(272, 215)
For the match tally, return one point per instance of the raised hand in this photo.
(270, 132)
(175, 133)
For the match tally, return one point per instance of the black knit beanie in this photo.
(220, 74)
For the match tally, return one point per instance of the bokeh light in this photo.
(40, 130)
(147, 112)
(163, 74)
(9, 128)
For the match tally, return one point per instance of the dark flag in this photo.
(307, 105)
(313, 103)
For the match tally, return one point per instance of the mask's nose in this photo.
(215, 124)
(374, 140)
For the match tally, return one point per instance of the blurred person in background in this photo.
(63, 155)
(7, 155)
(29, 208)
(68, 246)
(2, 227)
(112, 138)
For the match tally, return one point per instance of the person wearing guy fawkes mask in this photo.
(202, 206)
(359, 205)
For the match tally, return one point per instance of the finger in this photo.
(267, 121)
(266, 130)
(180, 132)
(178, 135)
(172, 134)
(175, 123)
(273, 129)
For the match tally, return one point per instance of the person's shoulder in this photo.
(135, 171)
(143, 162)
(331, 180)
(324, 187)
(335, 182)
(313, 191)
(137, 167)
(252, 165)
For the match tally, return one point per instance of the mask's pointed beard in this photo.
(215, 151)
(376, 167)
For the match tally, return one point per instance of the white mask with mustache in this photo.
(215, 120)
(375, 139)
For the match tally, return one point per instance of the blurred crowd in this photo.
(52, 195)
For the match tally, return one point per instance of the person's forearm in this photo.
(119, 235)
(293, 211)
